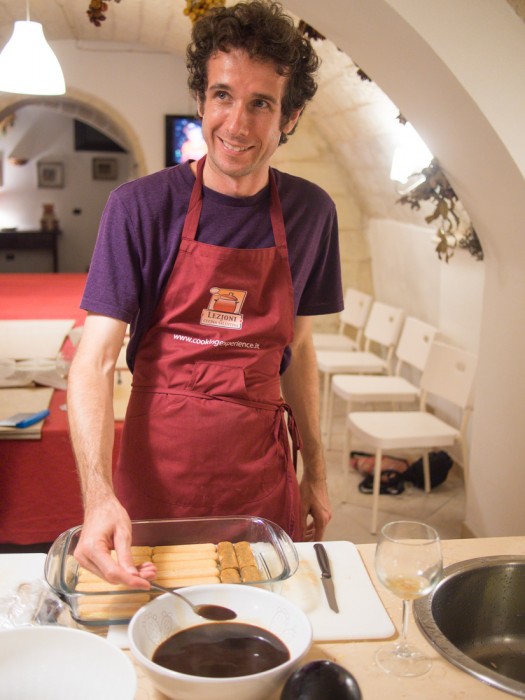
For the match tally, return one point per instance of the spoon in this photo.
(209, 612)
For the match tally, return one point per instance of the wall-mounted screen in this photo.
(184, 139)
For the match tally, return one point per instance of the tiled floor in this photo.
(443, 507)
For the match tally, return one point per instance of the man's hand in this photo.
(300, 385)
(106, 527)
(316, 504)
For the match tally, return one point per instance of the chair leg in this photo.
(376, 489)
(329, 416)
(464, 458)
(426, 471)
(344, 462)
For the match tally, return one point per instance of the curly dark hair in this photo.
(266, 34)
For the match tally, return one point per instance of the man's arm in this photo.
(91, 423)
(300, 386)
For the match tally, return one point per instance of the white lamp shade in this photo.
(28, 65)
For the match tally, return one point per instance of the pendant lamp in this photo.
(27, 63)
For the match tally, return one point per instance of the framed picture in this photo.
(183, 139)
(105, 168)
(50, 174)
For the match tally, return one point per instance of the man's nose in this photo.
(238, 120)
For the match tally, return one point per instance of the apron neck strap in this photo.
(191, 222)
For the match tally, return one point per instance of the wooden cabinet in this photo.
(32, 240)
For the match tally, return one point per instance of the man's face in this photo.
(242, 121)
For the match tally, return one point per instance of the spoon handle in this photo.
(158, 587)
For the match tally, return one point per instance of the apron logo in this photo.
(224, 308)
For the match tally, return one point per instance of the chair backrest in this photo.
(384, 324)
(415, 343)
(449, 374)
(357, 308)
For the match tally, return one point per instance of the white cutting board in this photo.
(361, 612)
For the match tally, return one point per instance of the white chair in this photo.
(448, 376)
(353, 316)
(411, 354)
(382, 327)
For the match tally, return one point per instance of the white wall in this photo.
(455, 69)
(407, 273)
(42, 134)
(137, 89)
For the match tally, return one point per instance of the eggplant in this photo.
(321, 680)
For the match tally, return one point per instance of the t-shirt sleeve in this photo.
(322, 292)
(113, 281)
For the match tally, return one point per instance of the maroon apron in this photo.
(205, 431)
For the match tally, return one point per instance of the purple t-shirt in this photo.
(140, 231)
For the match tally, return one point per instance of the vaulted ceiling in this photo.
(355, 118)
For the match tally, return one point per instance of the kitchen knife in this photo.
(326, 576)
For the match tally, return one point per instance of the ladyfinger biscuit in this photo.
(87, 575)
(100, 587)
(197, 572)
(244, 554)
(96, 611)
(183, 556)
(206, 547)
(192, 581)
(185, 564)
(137, 557)
(116, 599)
(250, 573)
(141, 549)
(227, 558)
(230, 576)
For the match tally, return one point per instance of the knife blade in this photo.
(326, 576)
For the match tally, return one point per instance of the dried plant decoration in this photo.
(195, 9)
(96, 11)
(437, 190)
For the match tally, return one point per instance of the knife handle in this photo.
(322, 558)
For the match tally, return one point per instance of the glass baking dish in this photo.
(274, 551)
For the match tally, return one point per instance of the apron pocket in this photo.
(218, 380)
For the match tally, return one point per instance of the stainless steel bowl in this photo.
(475, 618)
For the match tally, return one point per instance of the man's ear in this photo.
(292, 121)
(200, 107)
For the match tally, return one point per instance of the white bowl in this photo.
(60, 663)
(166, 615)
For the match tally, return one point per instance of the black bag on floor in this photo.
(440, 464)
(393, 481)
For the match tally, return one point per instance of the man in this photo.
(218, 266)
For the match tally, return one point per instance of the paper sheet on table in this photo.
(24, 400)
(21, 373)
(33, 339)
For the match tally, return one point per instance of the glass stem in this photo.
(402, 646)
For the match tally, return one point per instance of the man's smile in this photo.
(232, 147)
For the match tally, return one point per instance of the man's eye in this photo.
(261, 104)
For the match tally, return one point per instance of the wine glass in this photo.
(63, 360)
(409, 563)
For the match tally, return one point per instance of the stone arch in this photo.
(89, 109)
